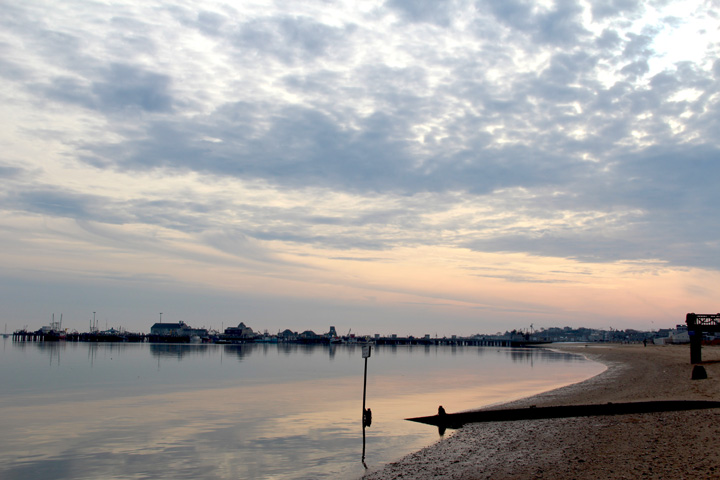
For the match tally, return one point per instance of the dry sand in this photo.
(666, 445)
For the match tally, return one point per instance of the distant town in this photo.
(182, 333)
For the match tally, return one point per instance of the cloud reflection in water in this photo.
(198, 412)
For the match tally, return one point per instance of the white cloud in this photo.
(555, 129)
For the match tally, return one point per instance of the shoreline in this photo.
(677, 444)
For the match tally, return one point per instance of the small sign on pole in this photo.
(366, 351)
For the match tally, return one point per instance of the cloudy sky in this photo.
(398, 166)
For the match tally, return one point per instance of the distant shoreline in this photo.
(647, 445)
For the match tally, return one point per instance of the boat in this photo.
(54, 331)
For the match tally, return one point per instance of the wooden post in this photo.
(695, 338)
(695, 346)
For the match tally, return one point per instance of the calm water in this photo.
(92, 411)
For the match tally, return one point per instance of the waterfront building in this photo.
(310, 336)
(287, 335)
(241, 331)
(179, 329)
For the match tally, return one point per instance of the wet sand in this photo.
(663, 445)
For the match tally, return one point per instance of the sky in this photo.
(401, 166)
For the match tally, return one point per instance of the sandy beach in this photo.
(665, 445)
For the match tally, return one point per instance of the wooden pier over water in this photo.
(54, 334)
(40, 336)
(477, 341)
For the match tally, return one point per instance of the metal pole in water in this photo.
(366, 349)
(364, 389)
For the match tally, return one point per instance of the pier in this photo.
(52, 336)
(179, 332)
(476, 341)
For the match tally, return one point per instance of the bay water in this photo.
(254, 411)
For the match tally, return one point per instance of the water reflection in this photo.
(362, 459)
(522, 355)
(240, 351)
(178, 351)
(407, 357)
(242, 411)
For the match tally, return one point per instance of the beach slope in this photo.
(673, 444)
